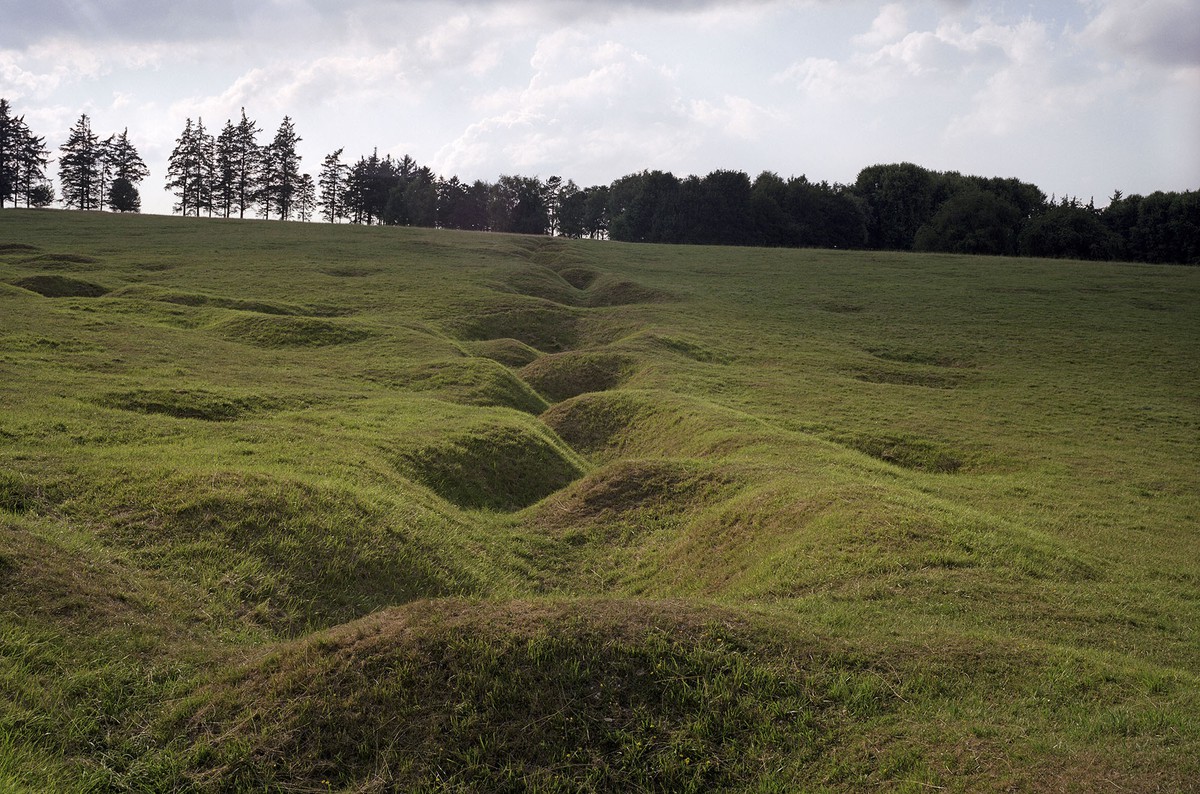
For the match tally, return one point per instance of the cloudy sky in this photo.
(1077, 96)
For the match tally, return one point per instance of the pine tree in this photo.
(225, 171)
(246, 156)
(306, 198)
(80, 167)
(279, 177)
(32, 158)
(104, 170)
(354, 198)
(11, 138)
(332, 185)
(179, 169)
(23, 159)
(123, 196)
(127, 169)
(189, 169)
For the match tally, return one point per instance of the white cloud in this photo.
(891, 24)
(1159, 32)
(736, 117)
(586, 103)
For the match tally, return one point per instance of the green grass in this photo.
(307, 507)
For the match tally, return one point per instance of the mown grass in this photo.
(302, 507)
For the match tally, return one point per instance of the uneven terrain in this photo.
(302, 507)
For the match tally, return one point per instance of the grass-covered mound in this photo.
(52, 285)
(564, 375)
(477, 380)
(546, 327)
(188, 403)
(183, 298)
(519, 696)
(509, 352)
(282, 332)
(278, 552)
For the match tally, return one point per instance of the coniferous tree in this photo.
(246, 156)
(332, 186)
(105, 170)
(11, 139)
(179, 169)
(80, 167)
(280, 172)
(420, 198)
(40, 195)
(306, 198)
(462, 206)
(123, 196)
(127, 169)
(354, 197)
(189, 169)
(23, 159)
(32, 183)
(205, 165)
(369, 188)
(224, 186)
(381, 177)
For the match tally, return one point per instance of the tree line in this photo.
(898, 206)
(94, 174)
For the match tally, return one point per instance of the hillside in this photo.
(305, 507)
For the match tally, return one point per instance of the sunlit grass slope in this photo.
(303, 507)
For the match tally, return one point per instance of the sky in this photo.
(1080, 97)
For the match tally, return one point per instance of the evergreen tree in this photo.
(105, 170)
(23, 159)
(279, 177)
(354, 197)
(123, 196)
(369, 187)
(11, 139)
(331, 183)
(80, 167)
(462, 206)
(380, 178)
(127, 169)
(420, 198)
(40, 195)
(225, 172)
(306, 198)
(190, 168)
(32, 183)
(246, 157)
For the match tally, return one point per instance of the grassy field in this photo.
(300, 507)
